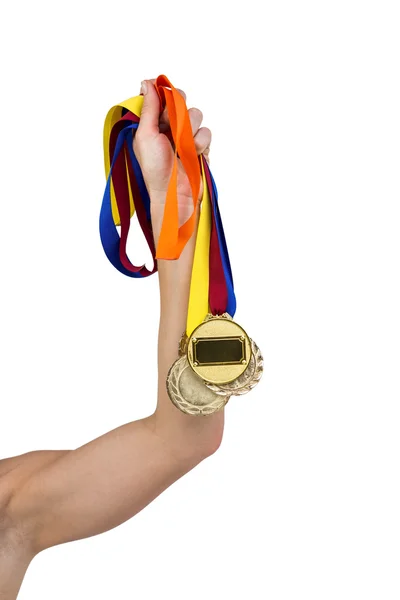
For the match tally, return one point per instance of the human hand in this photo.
(153, 147)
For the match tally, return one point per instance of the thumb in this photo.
(150, 115)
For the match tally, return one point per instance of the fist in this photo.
(154, 150)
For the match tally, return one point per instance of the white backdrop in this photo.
(302, 500)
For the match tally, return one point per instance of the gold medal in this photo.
(216, 362)
(219, 350)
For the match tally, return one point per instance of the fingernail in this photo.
(143, 88)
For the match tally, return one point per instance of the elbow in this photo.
(203, 438)
(191, 439)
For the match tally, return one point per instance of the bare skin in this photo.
(51, 497)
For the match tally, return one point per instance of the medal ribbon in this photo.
(211, 288)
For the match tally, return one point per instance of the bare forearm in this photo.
(201, 435)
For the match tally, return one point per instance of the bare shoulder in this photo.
(16, 550)
(14, 472)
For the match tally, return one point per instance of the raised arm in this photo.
(55, 497)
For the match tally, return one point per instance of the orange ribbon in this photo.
(174, 237)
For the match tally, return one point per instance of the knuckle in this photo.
(138, 137)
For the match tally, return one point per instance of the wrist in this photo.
(174, 275)
(157, 205)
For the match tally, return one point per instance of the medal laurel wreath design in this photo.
(189, 393)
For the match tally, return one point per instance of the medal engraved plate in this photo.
(219, 350)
